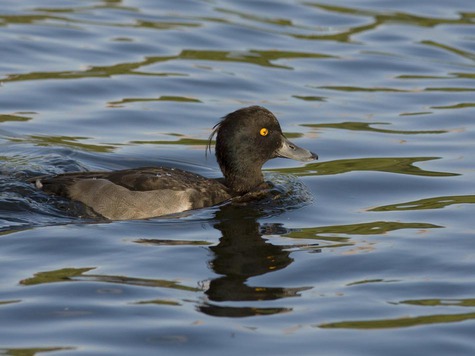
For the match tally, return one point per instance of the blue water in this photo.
(368, 251)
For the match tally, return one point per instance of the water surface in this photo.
(368, 251)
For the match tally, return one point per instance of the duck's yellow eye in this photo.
(264, 132)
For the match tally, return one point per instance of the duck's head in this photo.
(245, 140)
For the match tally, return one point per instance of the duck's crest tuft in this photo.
(210, 138)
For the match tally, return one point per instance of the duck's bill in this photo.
(292, 151)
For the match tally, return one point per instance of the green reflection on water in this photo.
(400, 322)
(257, 57)
(4, 302)
(71, 21)
(441, 302)
(363, 126)
(161, 283)
(429, 203)
(181, 99)
(310, 98)
(94, 71)
(254, 17)
(399, 165)
(415, 113)
(370, 228)
(450, 76)
(398, 17)
(32, 351)
(58, 10)
(159, 302)
(25, 19)
(451, 89)
(455, 106)
(4, 118)
(67, 141)
(165, 25)
(419, 76)
(60, 275)
(366, 281)
(382, 89)
(379, 18)
(77, 274)
(459, 52)
(464, 75)
(161, 242)
(362, 89)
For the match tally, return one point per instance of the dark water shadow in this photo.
(243, 253)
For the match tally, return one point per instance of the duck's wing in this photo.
(137, 193)
(157, 178)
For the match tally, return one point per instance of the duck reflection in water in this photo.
(243, 253)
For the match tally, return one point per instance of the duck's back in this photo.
(137, 193)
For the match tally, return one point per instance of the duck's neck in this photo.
(243, 179)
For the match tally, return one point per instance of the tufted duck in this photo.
(245, 140)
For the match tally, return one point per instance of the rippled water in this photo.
(371, 250)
